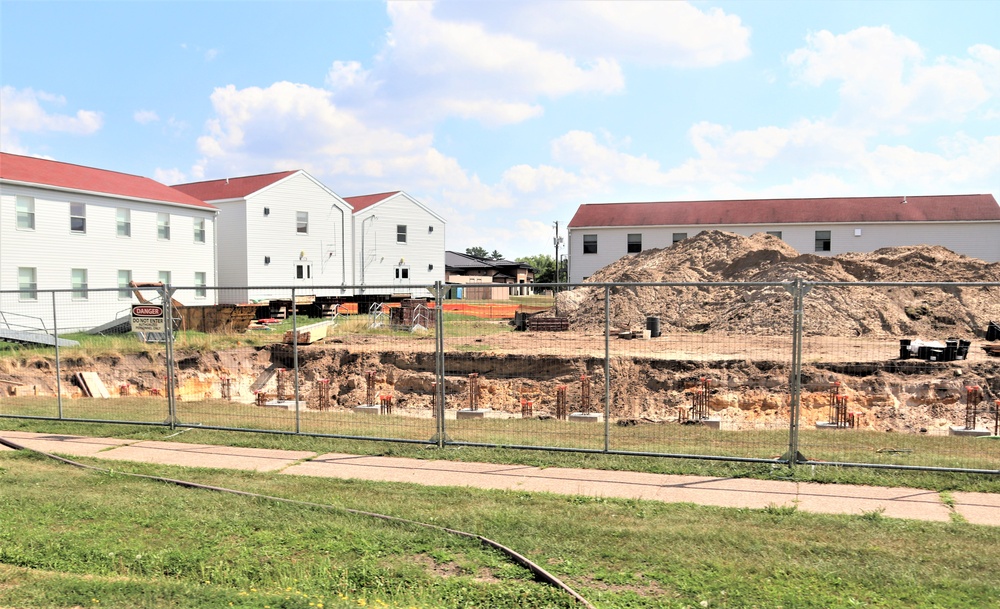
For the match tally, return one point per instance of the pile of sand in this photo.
(843, 310)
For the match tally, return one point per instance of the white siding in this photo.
(53, 249)
(232, 251)
(379, 255)
(976, 239)
(325, 249)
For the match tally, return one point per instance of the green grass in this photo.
(70, 537)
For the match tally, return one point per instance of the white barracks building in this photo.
(601, 233)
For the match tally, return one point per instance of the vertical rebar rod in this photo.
(55, 335)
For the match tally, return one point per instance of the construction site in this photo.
(712, 345)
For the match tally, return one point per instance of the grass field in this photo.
(76, 538)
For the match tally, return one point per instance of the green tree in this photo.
(496, 255)
(478, 252)
(544, 265)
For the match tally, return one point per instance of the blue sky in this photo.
(503, 117)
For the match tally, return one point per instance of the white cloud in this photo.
(651, 33)
(24, 111)
(885, 79)
(144, 117)
(169, 176)
(291, 125)
(211, 54)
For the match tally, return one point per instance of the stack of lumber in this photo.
(309, 334)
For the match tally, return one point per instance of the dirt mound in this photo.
(850, 310)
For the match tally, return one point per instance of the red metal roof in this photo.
(232, 188)
(943, 208)
(363, 201)
(43, 172)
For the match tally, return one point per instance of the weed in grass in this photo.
(876, 515)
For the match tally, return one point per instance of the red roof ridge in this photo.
(72, 176)
(232, 188)
(891, 208)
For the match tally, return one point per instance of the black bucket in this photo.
(653, 325)
(993, 332)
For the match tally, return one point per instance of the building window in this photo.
(635, 243)
(123, 217)
(775, 233)
(25, 213)
(78, 279)
(822, 241)
(402, 272)
(302, 222)
(77, 218)
(199, 230)
(27, 283)
(303, 271)
(590, 244)
(163, 226)
(124, 279)
(400, 233)
(164, 277)
(680, 237)
(200, 282)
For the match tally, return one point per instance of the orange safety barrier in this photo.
(484, 311)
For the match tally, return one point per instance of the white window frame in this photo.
(629, 242)
(163, 226)
(824, 243)
(78, 282)
(27, 286)
(303, 270)
(123, 222)
(124, 289)
(200, 284)
(25, 214)
(164, 277)
(400, 233)
(678, 237)
(302, 222)
(200, 230)
(590, 244)
(78, 218)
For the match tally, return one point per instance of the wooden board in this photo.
(92, 385)
(311, 333)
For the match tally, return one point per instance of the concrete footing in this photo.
(580, 417)
(367, 409)
(963, 431)
(829, 425)
(286, 404)
(712, 423)
(471, 414)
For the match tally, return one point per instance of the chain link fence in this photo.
(758, 372)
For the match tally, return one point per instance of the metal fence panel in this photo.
(866, 374)
(695, 380)
(897, 384)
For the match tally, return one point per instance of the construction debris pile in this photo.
(845, 311)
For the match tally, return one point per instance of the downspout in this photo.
(343, 252)
(372, 218)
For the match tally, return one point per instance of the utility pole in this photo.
(556, 241)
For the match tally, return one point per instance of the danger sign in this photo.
(147, 318)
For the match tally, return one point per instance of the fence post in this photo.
(439, 361)
(295, 359)
(607, 368)
(168, 328)
(798, 291)
(55, 335)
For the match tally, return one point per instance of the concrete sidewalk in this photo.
(916, 504)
